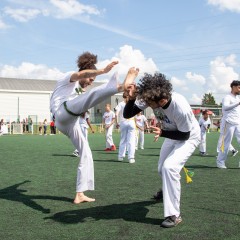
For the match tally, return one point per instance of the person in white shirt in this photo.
(179, 127)
(84, 125)
(204, 123)
(128, 133)
(108, 123)
(141, 121)
(230, 123)
(67, 104)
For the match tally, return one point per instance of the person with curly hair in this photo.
(67, 104)
(180, 129)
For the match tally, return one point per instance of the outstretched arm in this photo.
(88, 73)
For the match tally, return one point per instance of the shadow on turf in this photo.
(14, 194)
(132, 212)
(209, 155)
(208, 167)
(63, 155)
(219, 211)
(155, 155)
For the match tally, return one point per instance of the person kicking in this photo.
(67, 105)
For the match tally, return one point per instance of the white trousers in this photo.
(202, 145)
(128, 138)
(69, 125)
(84, 131)
(231, 148)
(139, 138)
(173, 156)
(225, 139)
(109, 139)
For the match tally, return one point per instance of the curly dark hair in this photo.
(154, 87)
(86, 60)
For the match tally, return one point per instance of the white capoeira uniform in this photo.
(175, 153)
(84, 125)
(108, 118)
(128, 133)
(203, 126)
(64, 103)
(231, 148)
(230, 125)
(140, 121)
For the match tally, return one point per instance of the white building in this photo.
(25, 97)
(21, 98)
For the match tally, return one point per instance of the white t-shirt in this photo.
(204, 124)
(108, 117)
(140, 120)
(64, 91)
(119, 110)
(83, 120)
(178, 116)
(231, 109)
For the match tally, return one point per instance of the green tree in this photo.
(208, 99)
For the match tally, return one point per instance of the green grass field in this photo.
(37, 185)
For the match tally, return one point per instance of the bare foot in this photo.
(131, 75)
(80, 198)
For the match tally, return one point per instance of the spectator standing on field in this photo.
(40, 128)
(45, 127)
(52, 128)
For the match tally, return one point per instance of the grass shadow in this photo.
(63, 155)
(14, 194)
(206, 156)
(219, 211)
(132, 212)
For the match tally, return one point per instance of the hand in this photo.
(107, 126)
(109, 67)
(93, 131)
(157, 132)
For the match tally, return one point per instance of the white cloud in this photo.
(231, 60)
(22, 15)
(3, 25)
(28, 70)
(195, 99)
(129, 57)
(221, 75)
(231, 5)
(71, 8)
(176, 82)
(196, 78)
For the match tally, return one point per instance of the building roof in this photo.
(12, 84)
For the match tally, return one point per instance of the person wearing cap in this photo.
(230, 123)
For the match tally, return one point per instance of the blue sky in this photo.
(195, 43)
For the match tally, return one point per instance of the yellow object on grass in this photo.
(189, 175)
